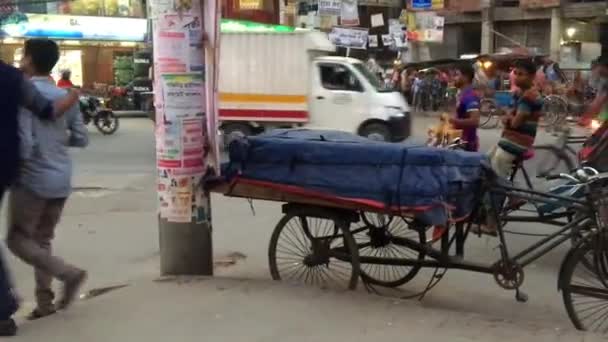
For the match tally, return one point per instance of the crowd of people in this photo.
(41, 121)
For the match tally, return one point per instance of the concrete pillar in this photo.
(556, 34)
(487, 30)
(185, 232)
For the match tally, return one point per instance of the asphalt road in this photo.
(109, 227)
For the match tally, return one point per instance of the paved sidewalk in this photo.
(200, 309)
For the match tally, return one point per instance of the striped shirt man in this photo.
(518, 140)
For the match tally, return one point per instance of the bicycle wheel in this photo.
(316, 251)
(552, 161)
(585, 292)
(487, 110)
(374, 241)
(555, 110)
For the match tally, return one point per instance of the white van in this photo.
(278, 80)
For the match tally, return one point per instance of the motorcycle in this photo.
(93, 110)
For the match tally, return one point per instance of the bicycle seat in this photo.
(529, 154)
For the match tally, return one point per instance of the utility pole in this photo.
(185, 39)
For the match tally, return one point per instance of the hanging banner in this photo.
(349, 14)
(353, 38)
(330, 7)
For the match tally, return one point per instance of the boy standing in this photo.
(38, 196)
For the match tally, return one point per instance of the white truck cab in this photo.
(278, 80)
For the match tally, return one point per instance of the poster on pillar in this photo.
(180, 42)
(183, 95)
(183, 35)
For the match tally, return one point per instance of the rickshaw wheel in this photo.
(317, 251)
(487, 110)
(376, 241)
(585, 290)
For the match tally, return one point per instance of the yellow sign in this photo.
(250, 4)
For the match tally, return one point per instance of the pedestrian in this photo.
(467, 114)
(598, 109)
(39, 194)
(18, 92)
(65, 81)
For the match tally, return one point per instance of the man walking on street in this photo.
(17, 92)
(38, 197)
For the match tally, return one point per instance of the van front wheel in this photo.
(376, 131)
(235, 131)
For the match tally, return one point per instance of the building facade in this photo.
(98, 38)
(568, 31)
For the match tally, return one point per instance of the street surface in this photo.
(110, 228)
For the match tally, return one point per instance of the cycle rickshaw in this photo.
(335, 232)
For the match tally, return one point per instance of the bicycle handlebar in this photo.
(582, 175)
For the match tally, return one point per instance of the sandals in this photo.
(39, 313)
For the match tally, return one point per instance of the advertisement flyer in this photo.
(190, 46)
(349, 14)
(182, 95)
(175, 197)
(170, 51)
(169, 147)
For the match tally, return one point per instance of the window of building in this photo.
(507, 3)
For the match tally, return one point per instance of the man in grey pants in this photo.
(39, 194)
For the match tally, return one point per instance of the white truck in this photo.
(284, 80)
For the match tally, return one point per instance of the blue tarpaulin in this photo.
(348, 166)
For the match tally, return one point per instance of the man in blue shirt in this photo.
(40, 192)
(18, 92)
(467, 110)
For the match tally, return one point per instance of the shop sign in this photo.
(19, 25)
(426, 5)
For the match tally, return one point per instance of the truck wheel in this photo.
(234, 131)
(376, 131)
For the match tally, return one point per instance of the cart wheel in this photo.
(374, 241)
(585, 291)
(376, 220)
(315, 251)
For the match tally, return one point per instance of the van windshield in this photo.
(372, 78)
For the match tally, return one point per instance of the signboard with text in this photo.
(20, 25)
